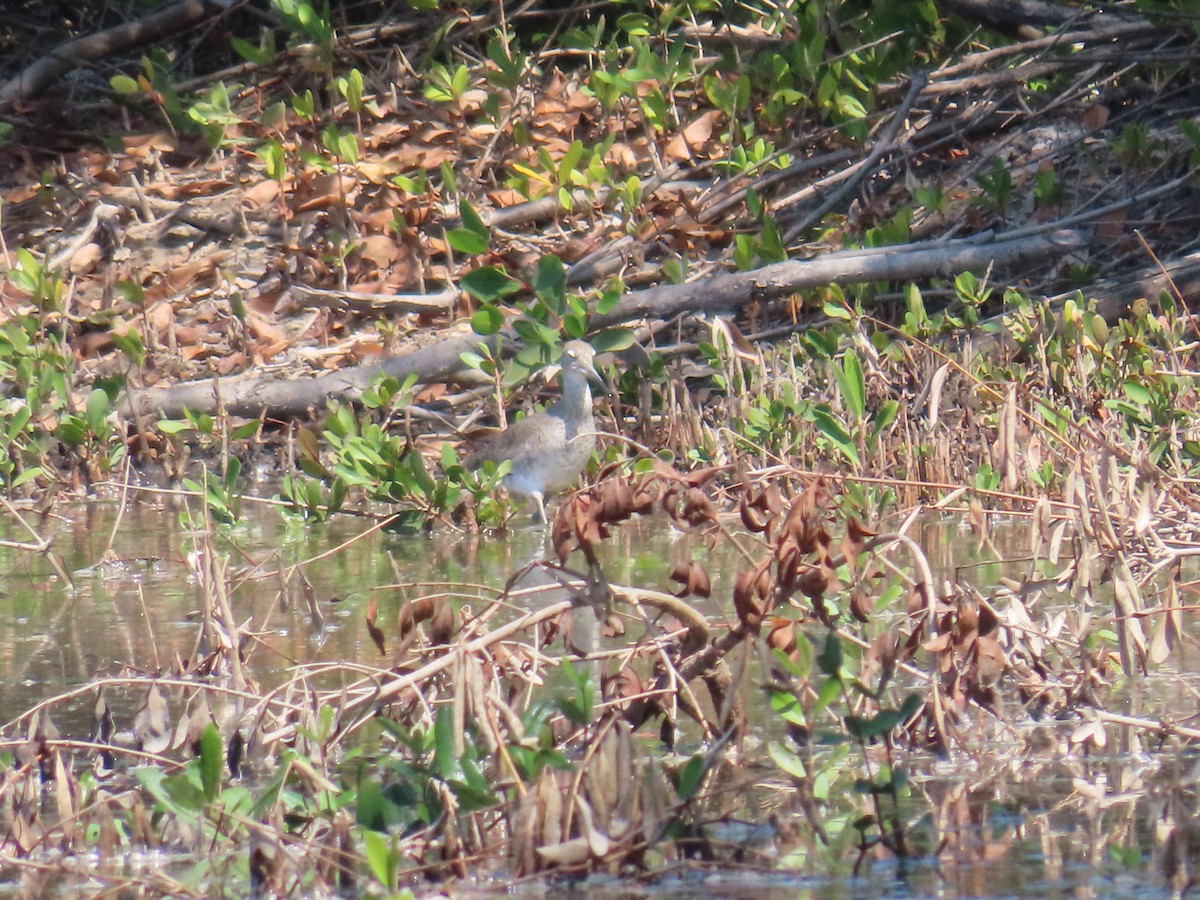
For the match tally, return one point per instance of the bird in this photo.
(549, 449)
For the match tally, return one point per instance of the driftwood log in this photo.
(253, 394)
(70, 55)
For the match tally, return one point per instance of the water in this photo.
(996, 824)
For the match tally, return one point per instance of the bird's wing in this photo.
(533, 434)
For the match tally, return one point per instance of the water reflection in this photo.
(984, 826)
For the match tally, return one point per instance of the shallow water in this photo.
(128, 604)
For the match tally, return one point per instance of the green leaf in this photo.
(570, 160)
(460, 81)
(885, 416)
(852, 384)
(487, 320)
(71, 431)
(245, 432)
(173, 426)
(470, 219)
(464, 240)
(550, 282)
(447, 762)
(379, 857)
(369, 807)
(131, 345)
(96, 413)
(489, 283)
(783, 703)
(27, 476)
(829, 660)
(829, 426)
(1137, 393)
(123, 84)
(690, 777)
(251, 53)
(830, 690)
(211, 760)
(610, 296)
(612, 340)
(787, 760)
(912, 703)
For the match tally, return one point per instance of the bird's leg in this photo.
(539, 515)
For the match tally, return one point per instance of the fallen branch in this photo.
(252, 394)
(906, 262)
(361, 301)
(72, 54)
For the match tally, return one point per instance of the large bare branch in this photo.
(907, 262)
(176, 18)
(251, 394)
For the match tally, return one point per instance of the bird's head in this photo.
(578, 358)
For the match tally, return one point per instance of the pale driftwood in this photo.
(72, 54)
(361, 301)
(252, 394)
(908, 262)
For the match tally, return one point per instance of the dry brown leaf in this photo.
(324, 191)
(84, 259)
(201, 187)
(140, 146)
(379, 249)
(152, 724)
(378, 171)
(1095, 116)
(261, 195)
(694, 136)
(1111, 226)
(180, 278)
(372, 628)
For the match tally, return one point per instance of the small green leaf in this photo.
(378, 857)
(885, 416)
(852, 384)
(787, 760)
(471, 219)
(464, 240)
(1137, 393)
(550, 282)
(123, 84)
(829, 426)
(97, 412)
(489, 283)
(829, 660)
(211, 760)
(447, 762)
(830, 690)
(487, 320)
(251, 53)
(612, 340)
(690, 777)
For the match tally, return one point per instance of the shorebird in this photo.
(549, 449)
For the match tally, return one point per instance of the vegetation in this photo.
(850, 264)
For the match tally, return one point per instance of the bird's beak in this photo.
(593, 375)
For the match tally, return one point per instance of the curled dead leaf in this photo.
(782, 635)
(693, 578)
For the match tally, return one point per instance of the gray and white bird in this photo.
(549, 449)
